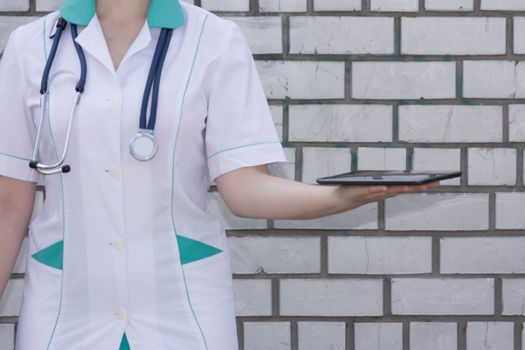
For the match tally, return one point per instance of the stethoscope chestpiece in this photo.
(143, 146)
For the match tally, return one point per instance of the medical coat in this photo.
(127, 250)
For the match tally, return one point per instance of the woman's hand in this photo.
(251, 192)
(355, 196)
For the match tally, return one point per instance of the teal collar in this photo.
(161, 13)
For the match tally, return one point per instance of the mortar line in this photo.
(505, 123)
(387, 297)
(406, 335)
(519, 168)
(492, 211)
(518, 334)
(498, 296)
(350, 334)
(435, 255)
(509, 47)
(461, 335)
(275, 285)
(294, 335)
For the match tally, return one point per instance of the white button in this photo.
(113, 172)
(123, 313)
(117, 244)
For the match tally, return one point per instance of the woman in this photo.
(125, 253)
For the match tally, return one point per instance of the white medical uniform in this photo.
(124, 246)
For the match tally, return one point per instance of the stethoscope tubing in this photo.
(48, 169)
(145, 127)
(153, 80)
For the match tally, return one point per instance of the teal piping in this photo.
(15, 157)
(252, 144)
(173, 177)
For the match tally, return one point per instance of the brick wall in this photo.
(378, 84)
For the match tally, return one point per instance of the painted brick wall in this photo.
(378, 84)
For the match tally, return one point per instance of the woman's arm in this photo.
(253, 193)
(16, 206)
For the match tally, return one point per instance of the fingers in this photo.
(376, 193)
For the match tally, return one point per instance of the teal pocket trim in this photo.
(51, 256)
(192, 250)
(124, 344)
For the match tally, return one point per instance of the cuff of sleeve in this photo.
(249, 155)
(17, 168)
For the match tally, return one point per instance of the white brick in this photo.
(252, 297)
(341, 35)
(302, 79)
(14, 5)
(7, 336)
(275, 254)
(284, 170)
(437, 211)
(10, 23)
(378, 336)
(379, 255)
(331, 297)
(226, 5)
(509, 5)
(513, 290)
(448, 123)
(482, 255)
(394, 5)
(264, 34)
(277, 116)
(341, 123)
(492, 166)
(438, 159)
(494, 79)
(20, 264)
(519, 32)
(282, 5)
(324, 161)
(490, 335)
(361, 218)
(449, 5)
(507, 203)
(453, 35)
(321, 335)
(442, 296)
(403, 80)
(517, 123)
(380, 158)
(231, 222)
(11, 300)
(267, 335)
(433, 336)
(337, 5)
(48, 5)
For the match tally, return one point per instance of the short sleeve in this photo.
(18, 132)
(239, 127)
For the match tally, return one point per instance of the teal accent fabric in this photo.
(161, 13)
(192, 250)
(51, 256)
(124, 345)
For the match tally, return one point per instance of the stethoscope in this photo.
(143, 146)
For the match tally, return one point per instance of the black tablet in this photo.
(387, 177)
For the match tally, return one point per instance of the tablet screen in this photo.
(394, 177)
